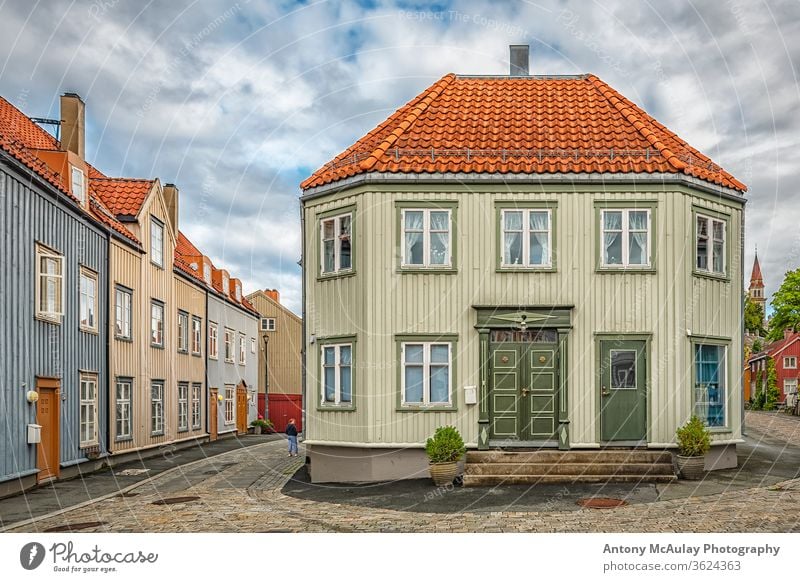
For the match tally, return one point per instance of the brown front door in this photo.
(241, 409)
(47, 451)
(212, 414)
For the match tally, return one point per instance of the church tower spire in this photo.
(756, 290)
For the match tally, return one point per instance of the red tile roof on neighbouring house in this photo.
(774, 348)
(123, 196)
(529, 125)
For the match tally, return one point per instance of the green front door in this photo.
(623, 390)
(523, 391)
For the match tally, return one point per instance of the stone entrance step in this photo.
(486, 468)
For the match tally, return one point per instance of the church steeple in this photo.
(756, 291)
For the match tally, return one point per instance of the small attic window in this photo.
(78, 188)
(193, 266)
(226, 285)
(238, 292)
(207, 273)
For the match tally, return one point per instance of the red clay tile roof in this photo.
(508, 125)
(123, 196)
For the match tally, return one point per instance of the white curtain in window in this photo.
(637, 254)
(414, 237)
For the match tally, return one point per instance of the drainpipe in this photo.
(206, 391)
(266, 375)
(110, 385)
(303, 377)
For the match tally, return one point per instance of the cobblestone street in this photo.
(240, 491)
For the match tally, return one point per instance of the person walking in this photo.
(291, 433)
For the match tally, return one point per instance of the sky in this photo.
(237, 102)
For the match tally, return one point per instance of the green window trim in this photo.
(700, 211)
(724, 342)
(503, 205)
(335, 213)
(448, 205)
(427, 338)
(602, 205)
(329, 341)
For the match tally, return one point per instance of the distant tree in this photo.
(772, 394)
(786, 303)
(753, 317)
(757, 346)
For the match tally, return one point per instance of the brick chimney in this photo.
(788, 332)
(170, 192)
(519, 57)
(273, 294)
(73, 124)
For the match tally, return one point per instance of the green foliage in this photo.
(758, 345)
(446, 445)
(772, 394)
(786, 303)
(264, 424)
(694, 440)
(753, 317)
(760, 396)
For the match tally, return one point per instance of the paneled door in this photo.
(47, 415)
(213, 416)
(241, 409)
(623, 390)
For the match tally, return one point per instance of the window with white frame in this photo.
(252, 345)
(527, 237)
(242, 350)
(197, 390)
(196, 335)
(229, 335)
(156, 242)
(183, 406)
(78, 184)
(183, 332)
(426, 238)
(625, 238)
(710, 390)
(213, 340)
(426, 376)
(207, 273)
(267, 324)
(123, 419)
(790, 362)
(711, 234)
(226, 285)
(88, 415)
(230, 393)
(123, 301)
(336, 244)
(238, 292)
(337, 375)
(157, 407)
(49, 284)
(157, 324)
(88, 300)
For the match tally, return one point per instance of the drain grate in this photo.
(75, 526)
(174, 500)
(601, 502)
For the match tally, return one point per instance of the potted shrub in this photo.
(260, 425)
(445, 448)
(694, 441)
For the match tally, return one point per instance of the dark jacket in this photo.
(291, 430)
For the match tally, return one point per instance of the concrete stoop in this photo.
(488, 468)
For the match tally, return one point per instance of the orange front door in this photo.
(241, 410)
(212, 414)
(47, 451)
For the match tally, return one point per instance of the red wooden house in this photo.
(786, 355)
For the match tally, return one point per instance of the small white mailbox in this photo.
(470, 394)
(34, 434)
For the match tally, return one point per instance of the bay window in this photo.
(336, 244)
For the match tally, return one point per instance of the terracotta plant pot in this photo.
(443, 474)
(691, 468)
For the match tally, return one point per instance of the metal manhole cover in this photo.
(174, 500)
(75, 526)
(601, 502)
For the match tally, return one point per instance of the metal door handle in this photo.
(525, 391)
(605, 391)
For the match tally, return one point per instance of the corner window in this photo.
(123, 408)
(228, 345)
(183, 406)
(242, 350)
(426, 377)
(710, 241)
(790, 362)
(336, 244)
(526, 237)
(230, 393)
(196, 335)
(49, 284)
(196, 394)
(157, 324)
(156, 242)
(426, 240)
(213, 338)
(157, 407)
(710, 388)
(88, 300)
(88, 418)
(123, 300)
(337, 374)
(183, 332)
(78, 184)
(267, 324)
(625, 238)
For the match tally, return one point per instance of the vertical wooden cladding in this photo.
(30, 214)
(190, 367)
(284, 347)
(670, 304)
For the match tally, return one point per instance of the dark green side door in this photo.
(623, 391)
